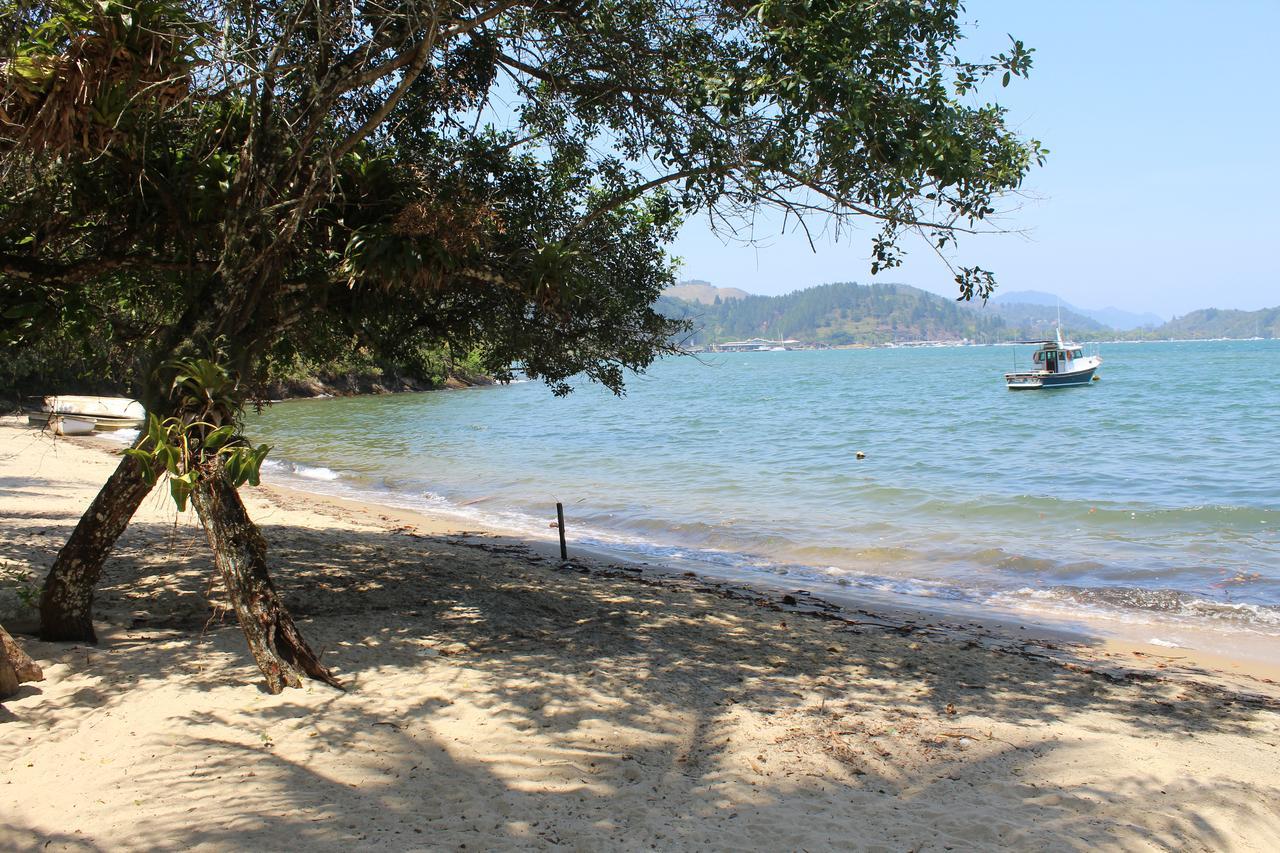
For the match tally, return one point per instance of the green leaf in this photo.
(144, 458)
(146, 461)
(180, 490)
(220, 436)
(255, 469)
(233, 468)
(155, 433)
(168, 454)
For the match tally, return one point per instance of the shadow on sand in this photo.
(498, 702)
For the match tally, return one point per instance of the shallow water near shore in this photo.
(1151, 497)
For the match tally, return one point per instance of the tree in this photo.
(216, 184)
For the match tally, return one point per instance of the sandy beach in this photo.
(497, 700)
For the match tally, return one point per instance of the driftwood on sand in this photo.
(15, 666)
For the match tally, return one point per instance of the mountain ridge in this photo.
(703, 292)
(848, 313)
(838, 314)
(1112, 317)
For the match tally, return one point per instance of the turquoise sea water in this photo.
(1155, 491)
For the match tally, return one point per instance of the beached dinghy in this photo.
(104, 413)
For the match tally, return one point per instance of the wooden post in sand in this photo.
(564, 550)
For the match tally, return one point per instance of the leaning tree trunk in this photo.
(66, 603)
(240, 553)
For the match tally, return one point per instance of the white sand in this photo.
(496, 703)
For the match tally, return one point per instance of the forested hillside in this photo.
(1221, 323)
(704, 292)
(843, 313)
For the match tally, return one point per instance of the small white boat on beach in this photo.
(101, 413)
(1056, 364)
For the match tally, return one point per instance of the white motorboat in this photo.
(1056, 364)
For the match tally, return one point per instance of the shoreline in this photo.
(499, 701)
(1101, 637)
(1221, 648)
(1257, 673)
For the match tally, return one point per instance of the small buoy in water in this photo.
(860, 455)
(1096, 377)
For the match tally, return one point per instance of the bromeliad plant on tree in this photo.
(205, 438)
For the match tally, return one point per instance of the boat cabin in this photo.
(1055, 359)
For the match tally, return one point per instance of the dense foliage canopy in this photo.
(277, 178)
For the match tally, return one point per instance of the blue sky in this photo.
(1163, 123)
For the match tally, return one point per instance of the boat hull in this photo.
(110, 407)
(109, 424)
(1035, 380)
(69, 425)
(102, 423)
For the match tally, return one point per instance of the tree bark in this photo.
(240, 553)
(66, 602)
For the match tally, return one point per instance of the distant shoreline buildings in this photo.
(758, 345)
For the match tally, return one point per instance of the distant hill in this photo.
(703, 292)
(840, 314)
(1124, 321)
(1109, 317)
(1221, 323)
(849, 313)
(1025, 297)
